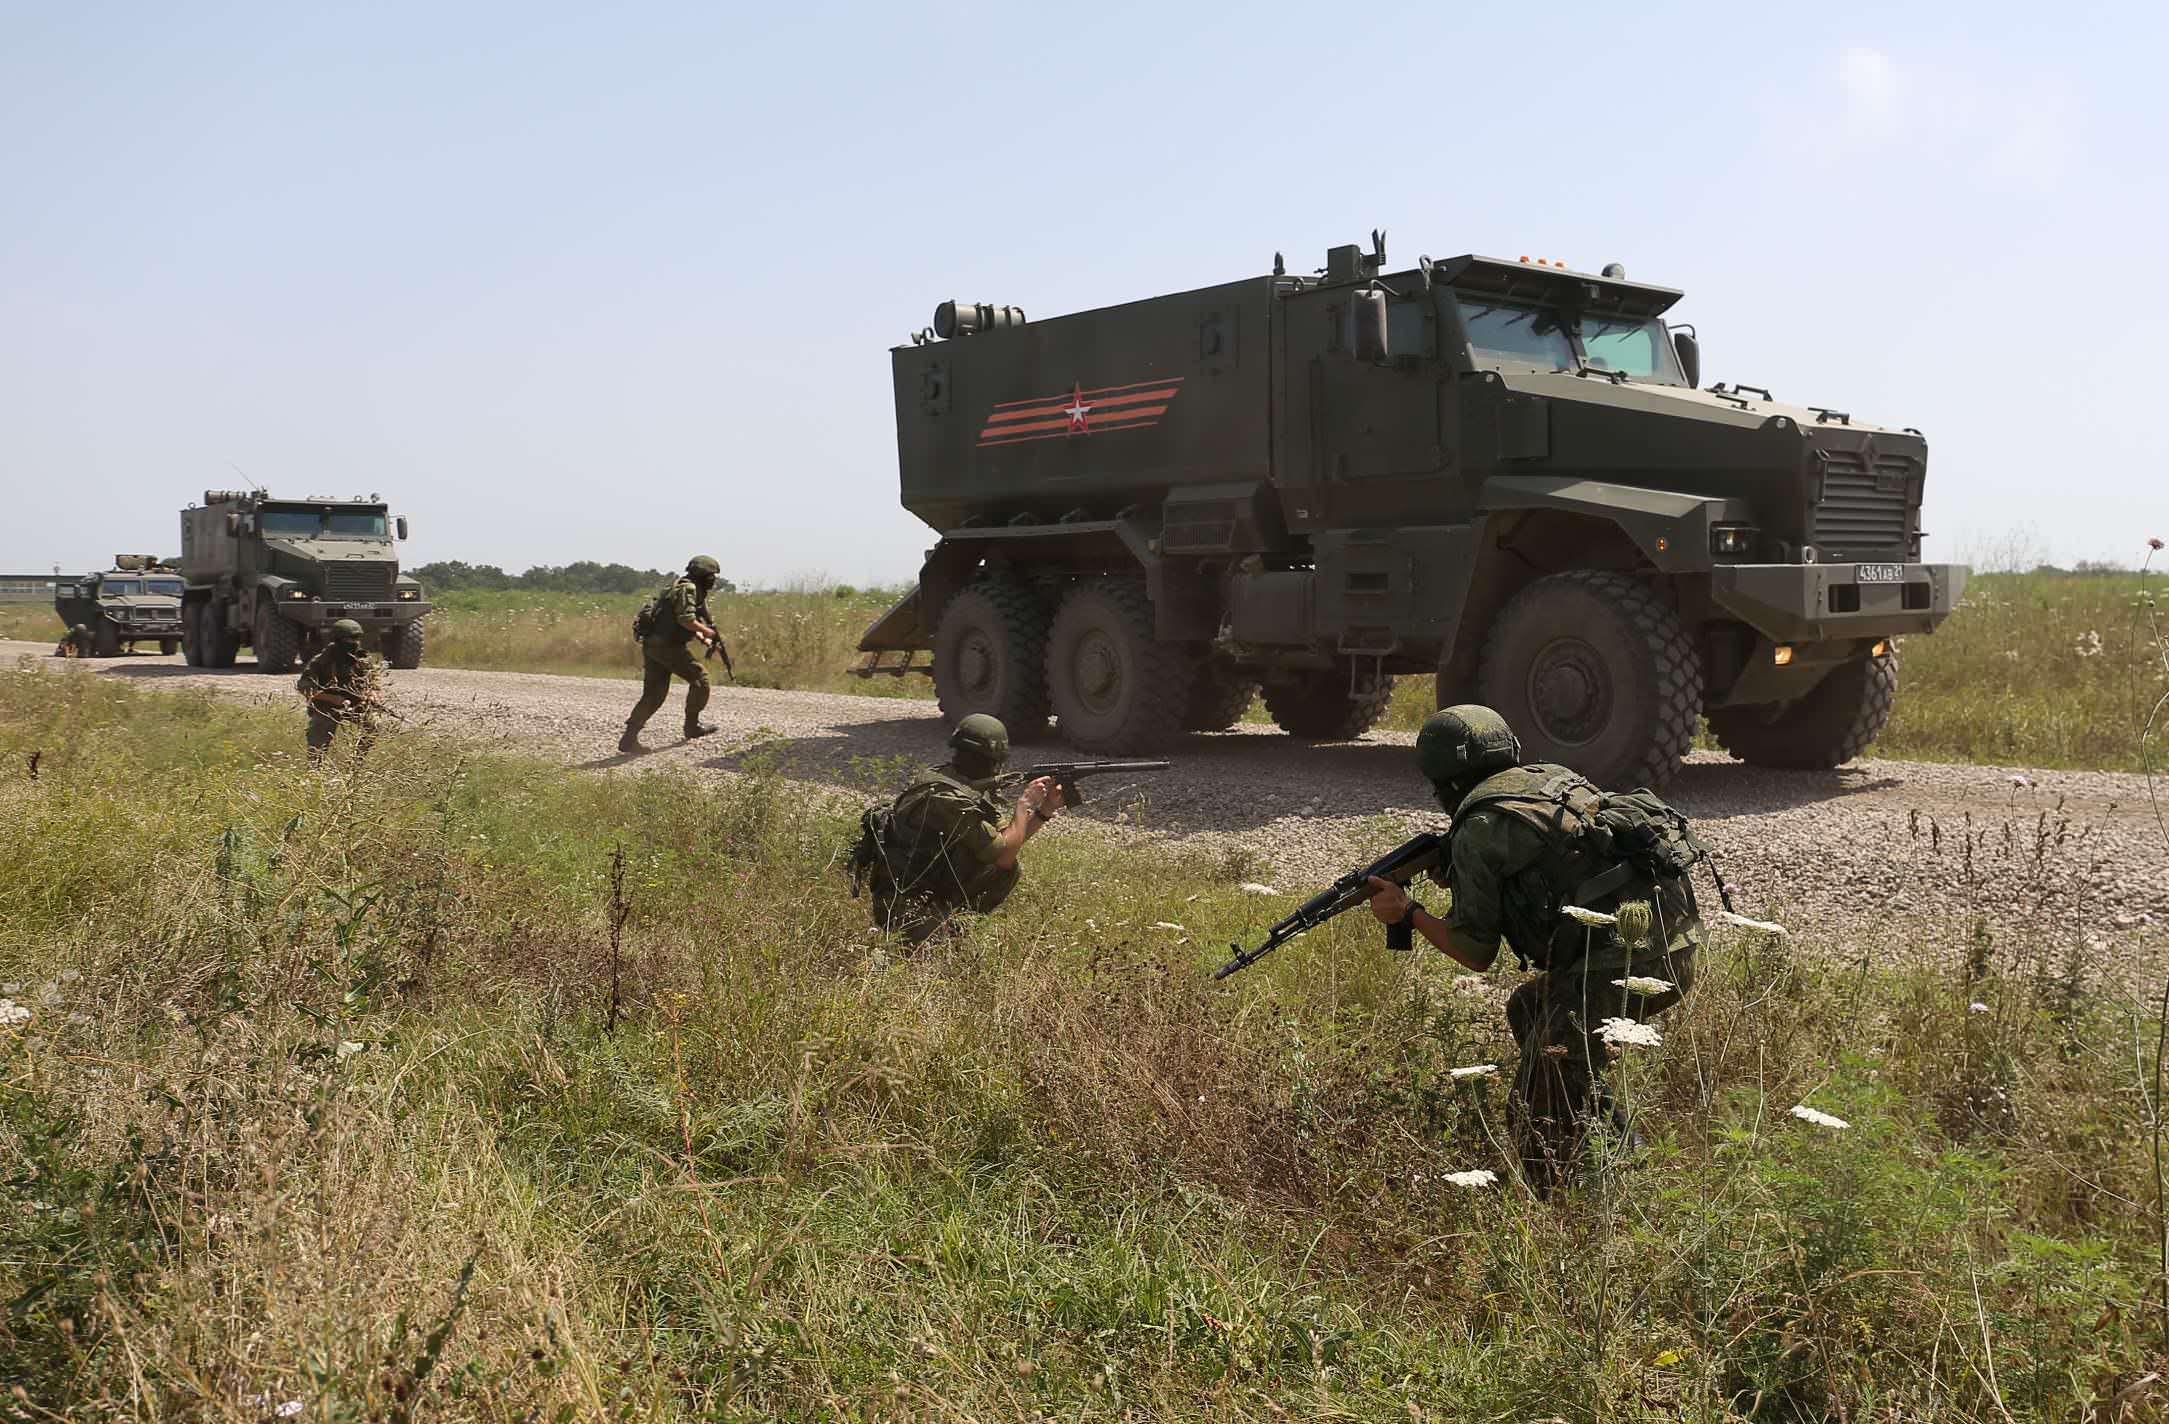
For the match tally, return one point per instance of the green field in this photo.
(2038, 669)
(334, 1090)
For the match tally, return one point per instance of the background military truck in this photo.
(1499, 474)
(274, 574)
(138, 600)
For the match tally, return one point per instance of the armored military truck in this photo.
(274, 574)
(1498, 474)
(138, 600)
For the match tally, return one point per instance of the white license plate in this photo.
(1879, 573)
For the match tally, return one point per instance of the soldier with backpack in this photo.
(666, 627)
(1543, 861)
(943, 846)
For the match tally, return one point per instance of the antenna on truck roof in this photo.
(244, 474)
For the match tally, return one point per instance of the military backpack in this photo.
(903, 849)
(644, 621)
(1602, 848)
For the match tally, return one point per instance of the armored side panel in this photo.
(1086, 415)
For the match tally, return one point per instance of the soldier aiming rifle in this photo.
(340, 685)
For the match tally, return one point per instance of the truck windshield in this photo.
(1636, 346)
(119, 588)
(1528, 335)
(312, 524)
(164, 588)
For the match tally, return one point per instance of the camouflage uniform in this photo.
(75, 643)
(945, 837)
(345, 670)
(1507, 873)
(667, 652)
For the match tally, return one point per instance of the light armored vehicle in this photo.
(274, 574)
(1500, 475)
(138, 600)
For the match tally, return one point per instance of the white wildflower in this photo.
(1474, 1070)
(2089, 644)
(289, 1409)
(1169, 925)
(1252, 887)
(1622, 1032)
(1976, 1007)
(1589, 917)
(1766, 926)
(348, 1048)
(2011, 653)
(12, 1013)
(1481, 1177)
(2019, 781)
(1643, 984)
(1821, 1119)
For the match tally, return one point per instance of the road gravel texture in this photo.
(1868, 858)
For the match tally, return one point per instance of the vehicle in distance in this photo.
(1497, 474)
(138, 600)
(273, 574)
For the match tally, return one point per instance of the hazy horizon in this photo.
(566, 284)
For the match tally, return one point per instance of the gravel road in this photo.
(1868, 856)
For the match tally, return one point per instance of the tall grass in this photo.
(317, 1104)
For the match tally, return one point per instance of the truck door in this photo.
(1348, 424)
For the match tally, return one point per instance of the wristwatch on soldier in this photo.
(1408, 916)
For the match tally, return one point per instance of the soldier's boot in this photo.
(630, 742)
(699, 729)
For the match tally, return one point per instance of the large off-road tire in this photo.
(278, 641)
(167, 647)
(220, 647)
(1218, 698)
(191, 635)
(1116, 688)
(404, 648)
(1319, 708)
(990, 655)
(1594, 670)
(105, 641)
(1837, 721)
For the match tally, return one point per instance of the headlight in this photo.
(409, 595)
(1732, 540)
(296, 595)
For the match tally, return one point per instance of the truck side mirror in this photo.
(1372, 344)
(233, 522)
(401, 525)
(1690, 356)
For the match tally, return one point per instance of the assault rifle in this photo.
(1413, 857)
(717, 647)
(366, 704)
(1067, 774)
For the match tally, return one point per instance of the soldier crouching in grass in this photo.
(1589, 889)
(340, 686)
(942, 847)
(678, 615)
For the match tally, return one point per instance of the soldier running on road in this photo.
(680, 614)
(340, 686)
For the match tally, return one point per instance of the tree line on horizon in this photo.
(580, 576)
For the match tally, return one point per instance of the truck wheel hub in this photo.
(1570, 692)
(975, 664)
(1098, 671)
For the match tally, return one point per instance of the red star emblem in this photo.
(1077, 410)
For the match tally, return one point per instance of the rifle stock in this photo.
(1415, 856)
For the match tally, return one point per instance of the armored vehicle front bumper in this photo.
(312, 613)
(144, 622)
(1802, 603)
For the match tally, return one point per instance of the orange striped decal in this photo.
(1080, 410)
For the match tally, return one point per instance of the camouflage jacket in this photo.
(1515, 864)
(943, 841)
(354, 674)
(682, 600)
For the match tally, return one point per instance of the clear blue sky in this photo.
(618, 282)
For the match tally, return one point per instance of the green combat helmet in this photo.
(346, 631)
(701, 567)
(1458, 743)
(981, 744)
